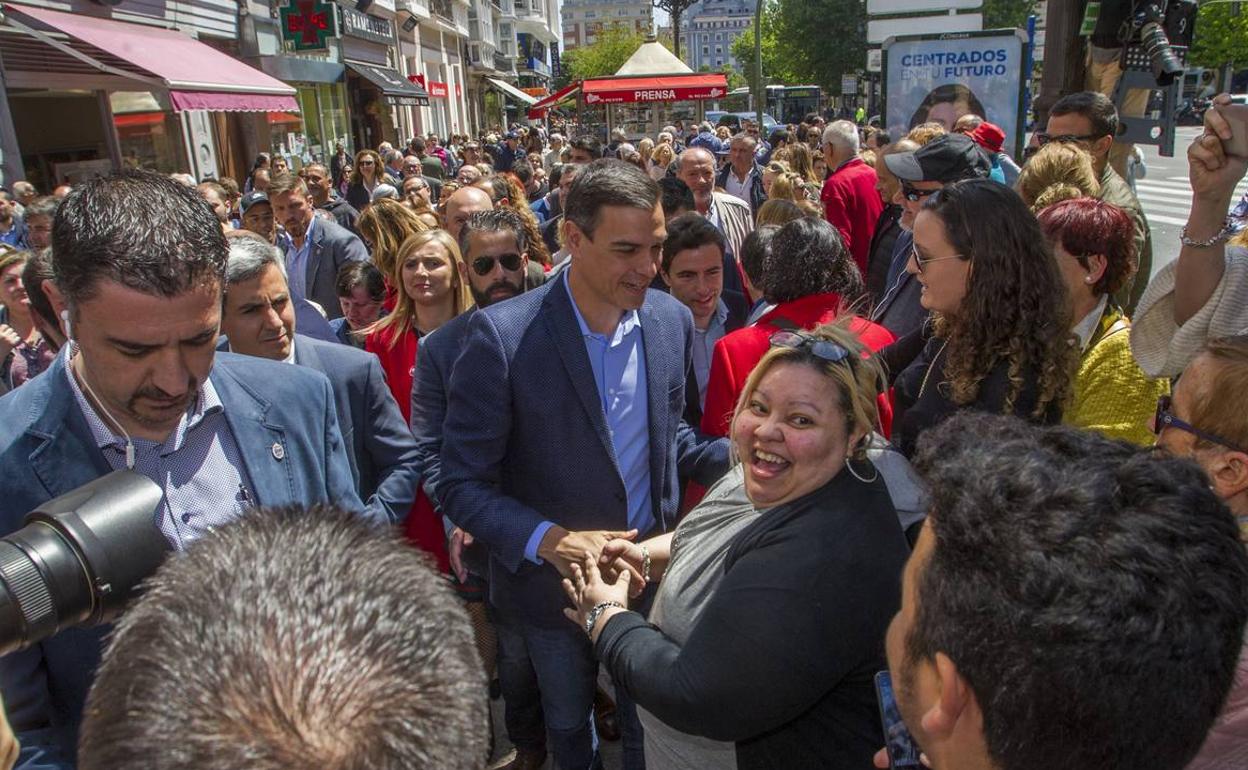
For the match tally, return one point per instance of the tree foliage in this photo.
(605, 55)
(1007, 14)
(675, 10)
(777, 65)
(1221, 37)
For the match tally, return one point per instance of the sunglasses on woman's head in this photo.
(823, 349)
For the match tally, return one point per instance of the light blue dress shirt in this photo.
(704, 345)
(297, 264)
(198, 466)
(619, 364)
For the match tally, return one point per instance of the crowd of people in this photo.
(732, 423)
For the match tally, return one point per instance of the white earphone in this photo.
(69, 331)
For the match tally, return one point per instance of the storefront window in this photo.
(309, 135)
(149, 137)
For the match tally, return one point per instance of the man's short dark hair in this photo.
(37, 270)
(587, 144)
(293, 638)
(286, 183)
(363, 274)
(1092, 594)
(523, 172)
(418, 145)
(676, 196)
(143, 230)
(499, 190)
(500, 220)
(46, 206)
(808, 256)
(608, 182)
(690, 231)
(754, 253)
(1096, 107)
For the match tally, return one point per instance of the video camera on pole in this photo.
(79, 558)
(1152, 29)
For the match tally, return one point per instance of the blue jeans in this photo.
(522, 700)
(566, 674)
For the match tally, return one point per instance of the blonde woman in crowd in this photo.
(1057, 172)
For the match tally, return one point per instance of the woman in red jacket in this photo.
(431, 292)
(810, 279)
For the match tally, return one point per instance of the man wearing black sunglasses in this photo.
(944, 160)
(1090, 120)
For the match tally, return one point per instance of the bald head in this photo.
(697, 169)
(462, 204)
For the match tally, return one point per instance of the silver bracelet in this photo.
(596, 612)
(1221, 235)
(645, 564)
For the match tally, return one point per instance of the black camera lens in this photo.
(78, 558)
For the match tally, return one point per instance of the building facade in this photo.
(583, 20)
(708, 29)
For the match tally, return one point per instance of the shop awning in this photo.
(197, 76)
(539, 109)
(392, 85)
(663, 88)
(512, 91)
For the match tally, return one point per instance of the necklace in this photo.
(932, 365)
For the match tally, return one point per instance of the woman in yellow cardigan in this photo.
(1093, 243)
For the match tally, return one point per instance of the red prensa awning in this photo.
(198, 76)
(662, 88)
(539, 108)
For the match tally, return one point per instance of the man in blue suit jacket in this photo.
(599, 364)
(259, 319)
(140, 385)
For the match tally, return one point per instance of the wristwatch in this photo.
(596, 612)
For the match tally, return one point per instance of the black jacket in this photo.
(783, 656)
(915, 359)
(342, 212)
(757, 196)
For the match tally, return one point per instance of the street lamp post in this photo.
(760, 91)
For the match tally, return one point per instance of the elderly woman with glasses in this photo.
(775, 591)
(1205, 422)
(999, 336)
(1093, 245)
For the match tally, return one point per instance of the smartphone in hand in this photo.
(902, 751)
(1237, 117)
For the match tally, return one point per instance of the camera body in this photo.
(1155, 26)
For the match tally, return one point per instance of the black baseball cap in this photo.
(251, 199)
(946, 159)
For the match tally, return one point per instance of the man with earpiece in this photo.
(138, 264)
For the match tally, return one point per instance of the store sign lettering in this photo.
(438, 89)
(366, 27)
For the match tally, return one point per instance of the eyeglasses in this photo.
(914, 194)
(365, 163)
(1043, 138)
(823, 349)
(1166, 419)
(920, 260)
(485, 265)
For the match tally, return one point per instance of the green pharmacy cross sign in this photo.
(308, 24)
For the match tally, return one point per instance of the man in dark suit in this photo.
(599, 363)
(140, 385)
(494, 243)
(258, 319)
(693, 270)
(318, 248)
